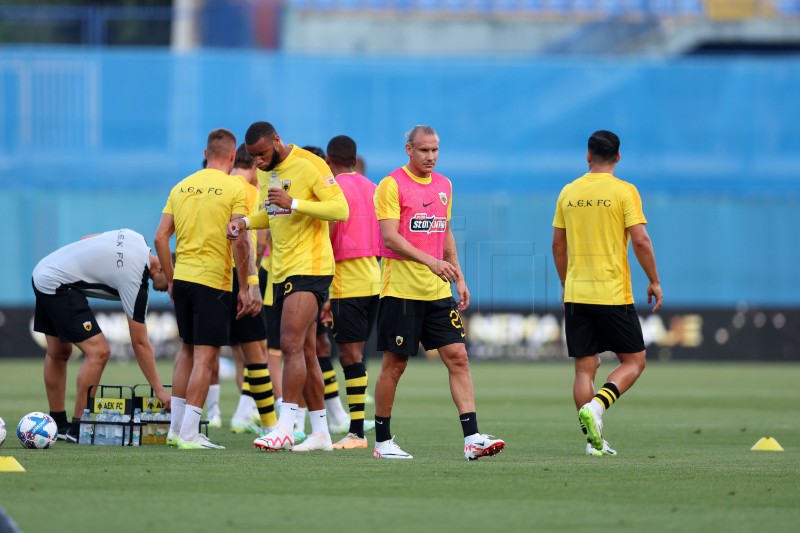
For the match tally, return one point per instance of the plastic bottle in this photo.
(161, 427)
(101, 428)
(126, 429)
(118, 431)
(148, 431)
(137, 429)
(274, 183)
(86, 429)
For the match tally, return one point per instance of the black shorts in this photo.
(65, 314)
(272, 319)
(263, 276)
(202, 313)
(317, 285)
(403, 324)
(248, 328)
(322, 327)
(353, 318)
(593, 329)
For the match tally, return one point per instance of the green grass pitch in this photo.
(683, 434)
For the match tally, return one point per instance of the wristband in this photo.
(252, 280)
(295, 203)
(246, 222)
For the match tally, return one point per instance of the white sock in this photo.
(176, 417)
(337, 413)
(597, 408)
(300, 419)
(319, 422)
(287, 417)
(212, 401)
(191, 422)
(245, 408)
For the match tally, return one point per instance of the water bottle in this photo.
(137, 429)
(118, 431)
(274, 183)
(85, 434)
(148, 431)
(126, 429)
(161, 427)
(101, 428)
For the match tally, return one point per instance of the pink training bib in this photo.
(423, 213)
(360, 234)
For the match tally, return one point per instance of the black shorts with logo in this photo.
(353, 318)
(202, 313)
(317, 285)
(593, 329)
(248, 328)
(403, 324)
(65, 314)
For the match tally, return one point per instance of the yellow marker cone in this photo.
(767, 444)
(9, 464)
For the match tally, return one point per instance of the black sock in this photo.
(61, 419)
(75, 426)
(382, 430)
(607, 395)
(469, 423)
(355, 382)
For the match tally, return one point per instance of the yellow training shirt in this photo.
(301, 243)
(356, 277)
(251, 206)
(202, 205)
(596, 210)
(405, 278)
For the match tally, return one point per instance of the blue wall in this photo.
(93, 140)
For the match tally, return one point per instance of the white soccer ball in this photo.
(37, 431)
(3, 431)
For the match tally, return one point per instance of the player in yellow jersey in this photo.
(419, 262)
(200, 283)
(248, 334)
(302, 197)
(597, 215)
(354, 294)
(338, 419)
(274, 355)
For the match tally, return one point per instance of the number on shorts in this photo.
(455, 319)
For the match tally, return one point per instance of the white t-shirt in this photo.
(114, 265)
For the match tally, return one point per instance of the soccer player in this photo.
(115, 265)
(302, 196)
(354, 294)
(596, 217)
(274, 355)
(338, 420)
(248, 334)
(419, 262)
(200, 284)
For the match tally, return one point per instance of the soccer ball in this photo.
(3, 432)
(37, 431)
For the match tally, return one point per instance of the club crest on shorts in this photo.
(398, 340)
(87, 326)
(287, 288)
(443, 198)
(286, 185)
